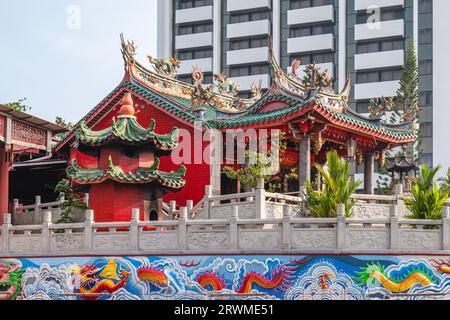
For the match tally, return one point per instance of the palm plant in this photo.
(445, 181)
(337, 189)
(427, 200)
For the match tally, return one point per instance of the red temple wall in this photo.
(114, 202)
(197, 175)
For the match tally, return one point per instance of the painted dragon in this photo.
(10, 281)
(375, 273)
(94, 281)
(278, 279)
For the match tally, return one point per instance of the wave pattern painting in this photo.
(226, 278)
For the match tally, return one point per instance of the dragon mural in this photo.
(376, 273)
(94, 281)
(217, 277)
(280, 278)
(10, 281)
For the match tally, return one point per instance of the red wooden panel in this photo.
(25, 133)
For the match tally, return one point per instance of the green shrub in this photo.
(427, 200)
(337, 188)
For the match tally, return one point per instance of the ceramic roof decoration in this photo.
(170, 180)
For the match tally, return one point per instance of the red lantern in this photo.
(304, 127)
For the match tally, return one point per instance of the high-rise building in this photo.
(366, 39)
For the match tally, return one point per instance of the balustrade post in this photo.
(182, 229)
(260, 200)
(446, 227)
(394, 228)
(14, 211)
(286, 230)
(173, 208)
(46, 223)
(234, 228)
(190, 208)
(401, 209)
(341, 226)
(5, 232)
(134, 229)
(37, 209)
(88, 232)
(207, 203)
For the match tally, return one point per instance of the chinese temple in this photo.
(312, 115)
(122, 162)
(24, 139)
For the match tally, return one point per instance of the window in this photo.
(426, 36)
(425, 67)
(426, 129)
(311, 30)
(194, 54)
(379, 75)
(188, 78)
(300, 4)
(186, 4)
(367, 77)
(376, 46)
(425, 6)
(362, 107)
(194, 28)
(391, 75)
(249, 70)
(426, 99)
(364, 17)
(249, 16)
(248, 43)
(427, 159)
(314, 58)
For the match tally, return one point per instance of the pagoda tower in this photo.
(124, 171)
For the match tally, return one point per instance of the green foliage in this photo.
(427, 200)
(337, 188)
(261, 169)
(445, 181)
(408, 93)
(19, 105)
(250, 174)
(72, 200)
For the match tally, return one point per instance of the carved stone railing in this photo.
(32, 214)
(227, 236)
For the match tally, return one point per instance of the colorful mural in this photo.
(226, 278)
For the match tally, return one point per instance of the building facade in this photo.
(364, 38)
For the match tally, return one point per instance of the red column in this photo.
(4, 182)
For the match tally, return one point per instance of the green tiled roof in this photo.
(172, 180)
(253, 117)
(127, 131)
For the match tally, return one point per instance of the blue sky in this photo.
(64, 68)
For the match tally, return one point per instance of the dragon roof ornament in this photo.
(315, 83)
(222, 96)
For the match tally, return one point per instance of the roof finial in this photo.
(127, 106)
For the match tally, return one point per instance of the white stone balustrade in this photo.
(232, 235)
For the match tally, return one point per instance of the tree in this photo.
(19, 105)
(337, 188)
(72, 200)
(427, 200)
(404, 108)
(250, 174)
(407, 99)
